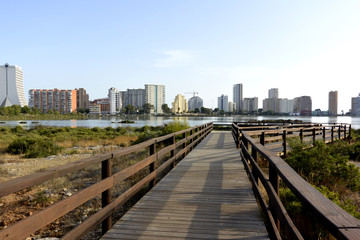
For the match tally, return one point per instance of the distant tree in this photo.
(50, 111)
(3, 111)
(206, 110)
(130, 109)
(147, 107)
(197, 110)
(216, 110)
(35, 110)
(26, 110)
(165, 108)
(221, 112)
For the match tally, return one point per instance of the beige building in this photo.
(180, 104)
(333, 103)
(82, 99)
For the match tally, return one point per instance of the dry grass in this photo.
(119, 141)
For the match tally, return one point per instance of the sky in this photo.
(303, 48)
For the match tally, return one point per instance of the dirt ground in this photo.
(17, 206)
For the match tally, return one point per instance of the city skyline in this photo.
(302, 48)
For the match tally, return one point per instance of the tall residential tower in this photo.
(333, 103)
(155, 95)
(238, 96)
(11, 86)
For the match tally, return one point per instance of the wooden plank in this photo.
(206, 196)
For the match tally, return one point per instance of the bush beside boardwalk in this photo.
(328, 168)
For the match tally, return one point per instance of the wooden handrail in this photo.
(29, 225)
(336, 220)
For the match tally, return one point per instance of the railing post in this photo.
(172, 152)
(314, 134)
(324, 134)
(191, 139)
(350, 131)
(152, 165)
(184, 144)
(339, 132)
(262, 138)
(255, 157)
(301, 135)
(274, 180)
(284, 143)
(106, 195)
(332, 133)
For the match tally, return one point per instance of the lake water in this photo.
(159, 121)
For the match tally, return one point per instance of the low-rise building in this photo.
(95, 108)
(104, 104)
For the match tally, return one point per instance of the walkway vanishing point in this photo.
(206, 196)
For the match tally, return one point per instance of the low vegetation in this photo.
(43, 141)
(327, 168)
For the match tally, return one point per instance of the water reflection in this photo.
(159, 121)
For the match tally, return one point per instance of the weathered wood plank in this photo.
(206, 196)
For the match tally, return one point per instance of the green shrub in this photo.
(175, 127)
(33, 147)
(322, 164)
(17, 129)
(291, 203)
(348, 205)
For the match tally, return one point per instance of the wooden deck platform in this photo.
(206, 196)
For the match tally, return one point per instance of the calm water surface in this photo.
(159, 121)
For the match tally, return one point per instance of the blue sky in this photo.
(300, 47)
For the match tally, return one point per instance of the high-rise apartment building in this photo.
(303, 105)
(223, 103)
(273, 93)
(155, 95)
(63, 101)
(82, 99)
(355, 106)
(231, 107)
(11, 86)
(271, 105)
(333, 103)
(195, 102)
(135, 97)
(180, 104)
(238, 96)
(114, 100)
(286, 105)
(251, 105)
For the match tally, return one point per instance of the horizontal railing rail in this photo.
(172, 146)
(278, 137)
(335, 220)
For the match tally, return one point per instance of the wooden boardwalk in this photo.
(206, 196)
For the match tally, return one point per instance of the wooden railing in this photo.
(175, 146)
(335, 220)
